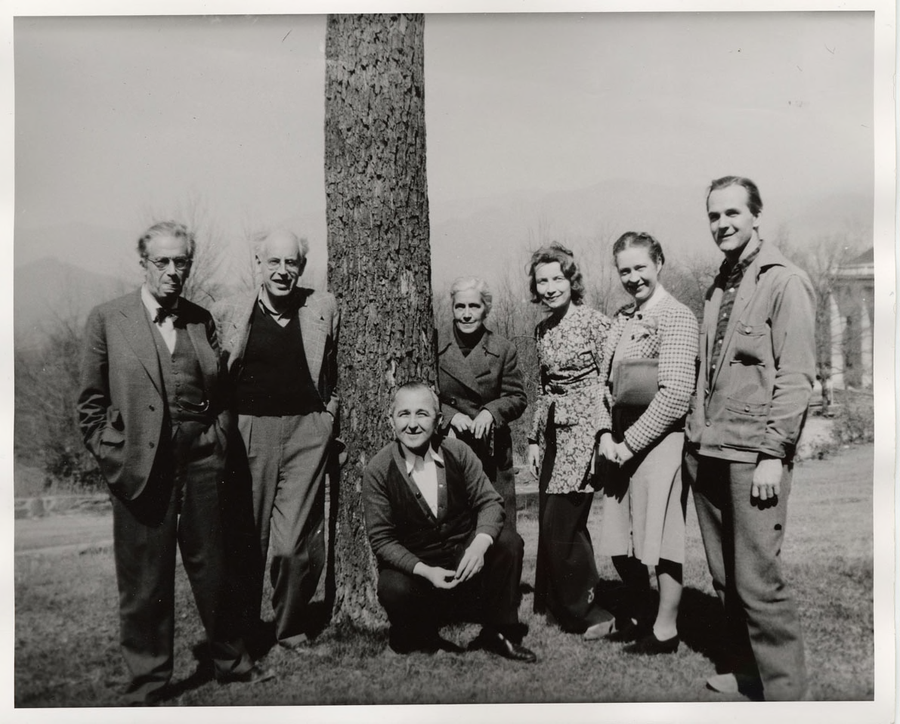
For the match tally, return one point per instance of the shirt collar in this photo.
(430, 454)
(263, 300)
(151, 304)
(743, 262)
(658, 295)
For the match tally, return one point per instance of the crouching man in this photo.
(435, 525)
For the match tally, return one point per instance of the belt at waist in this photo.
(561, 388)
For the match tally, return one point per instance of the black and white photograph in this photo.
(497, 355)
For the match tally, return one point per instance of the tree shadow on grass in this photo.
(701, 620)
(203, 674)
(701, 625)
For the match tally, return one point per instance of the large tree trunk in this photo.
(379, 256)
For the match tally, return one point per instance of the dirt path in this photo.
(73, 531)
(63, 533)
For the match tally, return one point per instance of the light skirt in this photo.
(644, 505)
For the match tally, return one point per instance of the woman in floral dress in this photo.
(561, 443)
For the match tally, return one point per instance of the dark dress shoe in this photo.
(496, 643)
(253, 675)
(749, 686)
(649, 645)
(441, 644)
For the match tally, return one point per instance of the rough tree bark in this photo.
(379, 256)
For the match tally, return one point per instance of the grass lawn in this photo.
(66, 650)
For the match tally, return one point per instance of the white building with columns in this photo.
(852, 309)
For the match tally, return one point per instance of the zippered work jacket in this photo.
(756, 400)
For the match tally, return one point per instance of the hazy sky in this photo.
(120, 117)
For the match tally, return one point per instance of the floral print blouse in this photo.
(569, 351)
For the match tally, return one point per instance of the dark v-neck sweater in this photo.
(275, 378)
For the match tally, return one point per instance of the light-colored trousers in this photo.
(743, 542)
(287, 458)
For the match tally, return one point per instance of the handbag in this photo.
(635, 382)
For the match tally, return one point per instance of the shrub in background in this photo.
(854, 420)
(46, 434)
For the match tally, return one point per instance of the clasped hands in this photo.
(472, 562)
(616, 452)
(479, 428)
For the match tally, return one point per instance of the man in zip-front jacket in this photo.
(757, 363)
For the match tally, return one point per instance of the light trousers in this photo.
(743, 537)
(287, 457)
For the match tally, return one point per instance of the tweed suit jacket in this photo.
(319, 323)
(488, 379)
(122, 403)
(668, 332)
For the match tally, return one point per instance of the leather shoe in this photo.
(649, 645)
(253, 675)
(430, 644)
(723, 683)
(729, 683)
(496, 643)
(299, 641)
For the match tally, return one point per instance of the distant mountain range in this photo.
(492, 239)
(48, 293)
(66, 269)
(96, 249)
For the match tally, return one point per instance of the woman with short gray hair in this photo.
(481, 387)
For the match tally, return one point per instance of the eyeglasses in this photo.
(291, 265)
(162, 263)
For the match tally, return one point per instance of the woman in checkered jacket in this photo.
(644, 504)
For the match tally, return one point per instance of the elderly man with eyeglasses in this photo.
(152, 410)
(280, 345)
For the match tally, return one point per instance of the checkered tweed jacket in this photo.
(669, 332)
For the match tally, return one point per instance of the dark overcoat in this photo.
(487, 379)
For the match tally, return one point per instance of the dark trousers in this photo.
(287, 459)
(743, 539)
(180, 506)
(493, 458)
(566, 573)
(416, 609)
(504, 482)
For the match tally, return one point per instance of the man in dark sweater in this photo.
(435, 524)
(280, 345)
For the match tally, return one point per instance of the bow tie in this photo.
(162, 314)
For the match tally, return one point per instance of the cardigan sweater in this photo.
(402, 529)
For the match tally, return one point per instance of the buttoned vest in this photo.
(182, 378)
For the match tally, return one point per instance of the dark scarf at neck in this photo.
(467, 342)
